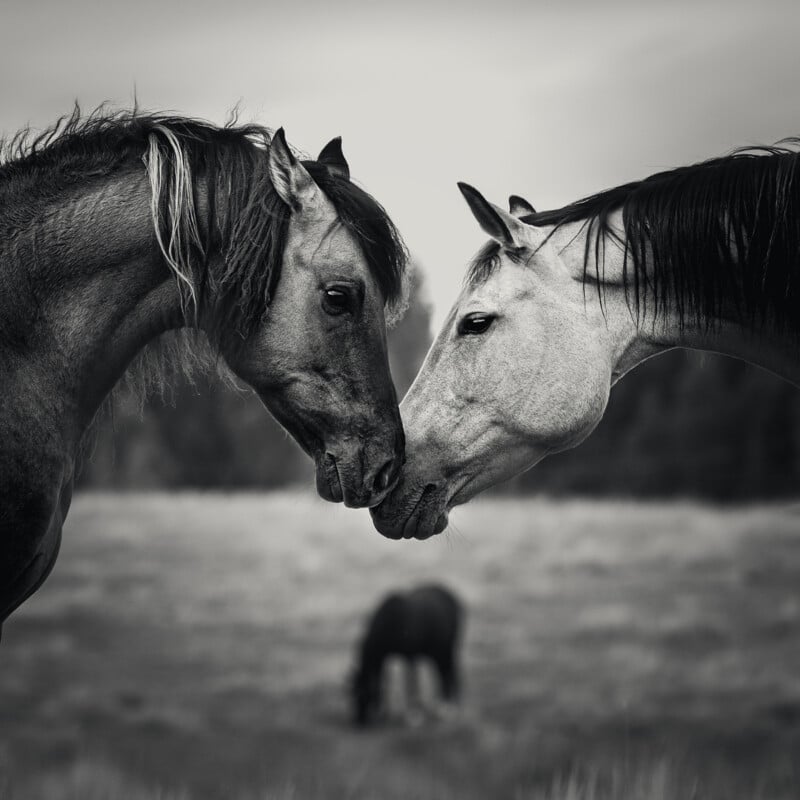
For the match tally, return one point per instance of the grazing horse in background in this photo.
(117, 228)
(423, 623)
(559, 305)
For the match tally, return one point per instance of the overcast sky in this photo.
(551, 100)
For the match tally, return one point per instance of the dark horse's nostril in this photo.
(383, 478)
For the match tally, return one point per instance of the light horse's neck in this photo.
(636, 331)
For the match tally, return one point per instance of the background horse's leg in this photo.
(413, 711)
(448, 682)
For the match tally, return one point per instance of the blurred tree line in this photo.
(681, 424)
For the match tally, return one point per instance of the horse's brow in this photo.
(329, 231)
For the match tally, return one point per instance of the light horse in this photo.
(117, 228)
(559, 305)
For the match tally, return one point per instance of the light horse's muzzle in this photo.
(412, 512)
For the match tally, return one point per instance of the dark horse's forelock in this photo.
(210, 191)
(715, 240)
(369, 224)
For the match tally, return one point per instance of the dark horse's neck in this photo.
(85, 280)
(82, 289)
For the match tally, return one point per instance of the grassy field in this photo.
(197, 646)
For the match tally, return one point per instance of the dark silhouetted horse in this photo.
(423, 623)
(120, 227)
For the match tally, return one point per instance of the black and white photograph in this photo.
(399, 401)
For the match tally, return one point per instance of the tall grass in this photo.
(195, 647)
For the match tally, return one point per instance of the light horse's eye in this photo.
(336, 300)
(475, 324)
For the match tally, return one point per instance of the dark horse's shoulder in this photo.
(36, 474)
(31, 519)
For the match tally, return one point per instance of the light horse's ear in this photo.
(499, 224)
(290, 178)
(519, 206)
(333, 158)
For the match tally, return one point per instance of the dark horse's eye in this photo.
(336, 300)
(474, 324)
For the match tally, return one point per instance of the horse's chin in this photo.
(418, 516)
(329, 485)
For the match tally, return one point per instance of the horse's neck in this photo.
(637, 337)
(81, 290)
(770, 349)
(86, 293)
(762, 345)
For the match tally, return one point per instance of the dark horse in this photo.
(117, 228)
(423, 623)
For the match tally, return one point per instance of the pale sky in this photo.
(550, 100)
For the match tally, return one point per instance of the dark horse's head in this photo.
(319, 358)
(295, 293)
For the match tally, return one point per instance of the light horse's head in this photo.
(520, 369)
(318, 356)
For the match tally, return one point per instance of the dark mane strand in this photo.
(715, 240)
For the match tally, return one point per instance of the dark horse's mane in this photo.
(718, 239)
(243, 216)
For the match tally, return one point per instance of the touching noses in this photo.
(385, 477)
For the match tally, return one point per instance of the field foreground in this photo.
(197, 646)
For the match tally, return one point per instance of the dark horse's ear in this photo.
(519, 206)
(290, 178)
(333, 158)
(499, 224)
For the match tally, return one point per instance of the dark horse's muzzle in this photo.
(360, 472)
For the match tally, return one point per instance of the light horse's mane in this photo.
(243, 218)
(718, 239)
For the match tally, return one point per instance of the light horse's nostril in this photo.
(384, 476)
